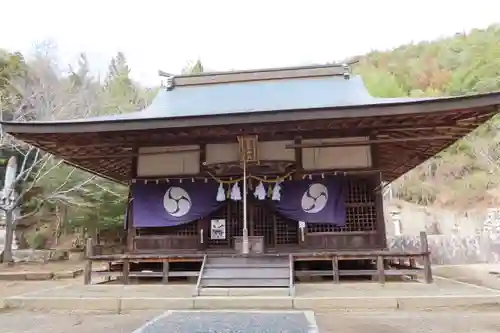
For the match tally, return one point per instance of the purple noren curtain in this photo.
(314, 201)
(171, 204)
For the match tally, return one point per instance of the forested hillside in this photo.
(58, 198)
(467, 172)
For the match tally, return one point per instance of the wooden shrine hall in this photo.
(258, 177)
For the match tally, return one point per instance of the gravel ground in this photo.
(229, 321)
(353, 322)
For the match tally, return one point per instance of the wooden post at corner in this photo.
(424, 249)
(89, 252)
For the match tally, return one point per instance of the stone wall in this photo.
(454, 238)
(453, 249)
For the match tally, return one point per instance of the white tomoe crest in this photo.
(177, 201)
(314, 198)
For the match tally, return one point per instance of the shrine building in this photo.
(270, 172)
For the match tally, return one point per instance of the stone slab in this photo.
(131, 304)
(23, 276)
(70, 274)
(119, 304)
(12, 276)
(466, 301)
(344, 303)
(39, 276)
(318, 297)
(242, 302)
(77, 304)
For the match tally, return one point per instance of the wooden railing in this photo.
(388, 263)
(291, 282)
(360, 240)
(200, 276)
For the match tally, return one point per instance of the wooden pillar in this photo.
(166, 266)
(275, 232)
(335, 267)
(250, 212)
(203, 233)
(126, 271)
(380, 269)
(302, 232)
(424, 249)
(299, 172)
(131, 231)
(412, 263)
(298, 159)
(89, 252)
(379, 200)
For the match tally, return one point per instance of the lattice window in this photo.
(361, 210)
(188, 229)
(278, 230)
(286, 231)
(263, 222)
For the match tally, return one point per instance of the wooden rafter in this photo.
(365, 142)
(402, 141)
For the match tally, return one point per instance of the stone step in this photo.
(236, 272)
(247, 260)
(222, 283)
(235, 291)
(252, 265)
(247, 273)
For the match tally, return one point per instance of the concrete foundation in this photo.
(443, 293)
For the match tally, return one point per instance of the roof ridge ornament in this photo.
(347, 71)
(279, 73)
(169, 83)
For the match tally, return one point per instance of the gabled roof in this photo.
(254, 97)
(274, 102)
(237, 93)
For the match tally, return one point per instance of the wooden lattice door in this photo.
(262, 222)
(278, 231)
(232, 213)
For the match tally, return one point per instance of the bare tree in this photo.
(41, 95)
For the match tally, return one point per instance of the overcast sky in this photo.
(166, 34)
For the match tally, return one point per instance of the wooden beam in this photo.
(429, 128)
(203, 156)
(130, 155)
(299, 170)
(366, 142)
